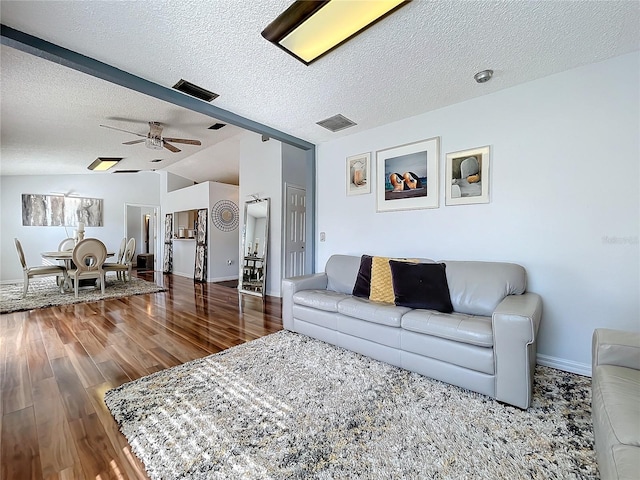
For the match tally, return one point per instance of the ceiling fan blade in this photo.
(133, 142)
(182, 140)
(170, 147)
(121, 130)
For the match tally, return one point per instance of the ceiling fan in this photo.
(154, 138)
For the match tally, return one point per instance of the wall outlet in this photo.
(323, 236)
(229, 262)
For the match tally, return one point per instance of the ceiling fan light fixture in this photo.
(154, 143)
(102, 164)
(308, 30)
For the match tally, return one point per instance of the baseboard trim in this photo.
(222, 279)
(564, 365)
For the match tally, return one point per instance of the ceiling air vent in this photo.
(126, 171)
(195, 91)
(336, 123)
(217, 126)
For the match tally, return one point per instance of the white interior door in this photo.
(295, 231)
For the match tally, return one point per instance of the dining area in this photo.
(79, 264)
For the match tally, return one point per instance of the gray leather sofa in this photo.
(615, 380)
(488, 344)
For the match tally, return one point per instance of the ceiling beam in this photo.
(49, 51)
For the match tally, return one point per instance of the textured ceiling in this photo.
(420, 58)
(51, 117)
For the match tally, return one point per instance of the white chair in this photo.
(121, 250)
(118, 260)
(39, 271)
(88, 256)
(66, 245)
(125, 264)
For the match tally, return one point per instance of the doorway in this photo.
(141, 223)
(295, 231)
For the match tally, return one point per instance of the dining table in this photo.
(66, 256)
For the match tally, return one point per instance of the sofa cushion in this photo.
(477, 288)
(453, 326)
(375, 312)
(619, 388)
(627, 461)
(341, 273)
(374, 332)
(362, 288)
(421, 285)
(326, 300)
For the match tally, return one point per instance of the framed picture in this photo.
(358, 173)
(407, 176)
(467, 177)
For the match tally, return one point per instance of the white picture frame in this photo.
(467, 179)
(407, 176)
(358, 174)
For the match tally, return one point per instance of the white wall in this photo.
(222, 246)
(564, 204)
(174, 182)
(261, 174)
(115, 190)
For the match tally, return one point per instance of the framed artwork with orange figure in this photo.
(358, 173)
(407, 176)
(467, 176)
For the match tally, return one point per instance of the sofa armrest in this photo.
(315, 281)
(615, 347)
(515, 323)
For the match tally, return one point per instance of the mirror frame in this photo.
(245, 257)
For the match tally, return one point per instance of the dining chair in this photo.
(66, 245)
(39, 271)
(121, 250)
(125, 264)
(88, 257)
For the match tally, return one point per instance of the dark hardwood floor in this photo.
(56, 364)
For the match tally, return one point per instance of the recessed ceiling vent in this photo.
(217, 126)
(156, 160)
(195, 91)
(126, 171)
(336, 123)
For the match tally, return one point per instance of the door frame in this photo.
(158, 230)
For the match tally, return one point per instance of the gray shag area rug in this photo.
(288, 406)
(43, 292)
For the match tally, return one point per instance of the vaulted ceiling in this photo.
(418, 59)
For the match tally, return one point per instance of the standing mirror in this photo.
(255, 236)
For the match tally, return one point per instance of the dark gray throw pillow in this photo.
(421, 285)
(362, 287)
